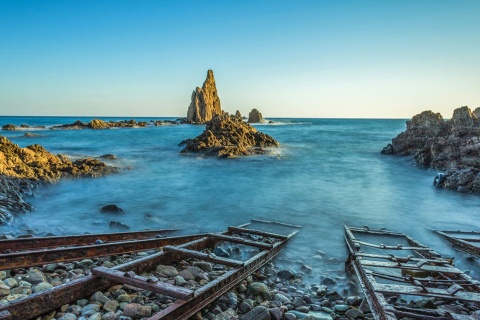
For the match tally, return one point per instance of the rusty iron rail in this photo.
(43, 256)
(467, 245)
(188, 303)
(423, 274)
(10, 245)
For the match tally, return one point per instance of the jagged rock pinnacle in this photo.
(205, 101)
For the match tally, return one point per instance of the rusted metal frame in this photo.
(461, 244)
(39, 303)
(375, 301)
(426, 280)
(402, 259)
(427, 292)
(182, 310)
(77, 240)
(381, 246)
(277, 223)
(382, 231)
(45, 256)
(258, 233)
(150, 284)
(393, 265)
(203, 256)
(238, 240)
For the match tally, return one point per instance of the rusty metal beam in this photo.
(256, 244)
(45, 256)
(143, 282)
(426, 292)
(277, 223)
(409, 266)
(203, 256)
(258, 233)
(78, 240)
(462, 244)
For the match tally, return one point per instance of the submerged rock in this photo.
(229, 136)
(452, 146)
(205, 103)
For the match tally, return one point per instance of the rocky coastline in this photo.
(228, 136)
(23, 169)
(450, 146)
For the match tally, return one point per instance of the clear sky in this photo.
(346, 59)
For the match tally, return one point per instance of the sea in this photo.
(327, 173)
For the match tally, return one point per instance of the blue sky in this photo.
(348, 59)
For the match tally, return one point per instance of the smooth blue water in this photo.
(326, 174)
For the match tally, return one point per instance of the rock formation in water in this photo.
(100, 124)
(22, 168)
(452, 146)
(255, 117)
(229, 136)
(205, 102)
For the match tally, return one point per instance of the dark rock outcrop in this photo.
(255, 117)
(100, 124)
(229, 136)
(205, 103)
(23, 168)
(452, 146)
(111, 208)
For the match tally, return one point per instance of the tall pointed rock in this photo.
(205, 101)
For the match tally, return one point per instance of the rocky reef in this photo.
(100, 124)
(21, 169)
(451, 146)
(255, 117)
(205, 103)
(228, 136)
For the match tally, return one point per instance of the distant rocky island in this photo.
(451, 146)
(22, 169)
(226, 136)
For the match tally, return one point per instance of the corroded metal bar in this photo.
(258, 233)
(143, 282)
(277, 223)
(78, 240)
(239, 240)
(203, 256)
(45, 256)
(431, 292)
(462, 244)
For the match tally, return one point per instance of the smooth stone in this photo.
(226, 315)
(180, 281)
(68, 316)
(298, 302)
(24, 284)
(280, 297)
(205, 266)
(35, 277)
(95, 316)
(43, 286)
(90, 309)
(257, 313)
(218, 251)
(82, 302)
(276, 313)
(354, 300)
(168, 271)
(354, 314)
(187, 275)
(21, 290)
(12, 283)
(341, 308)
(85, 263)
(75, 309)
(111, 208)
(100, 297)
(3, 275)
(259, 288)
(4, 290)
(110, 316)
(111, 305)
(303, 309)
(286, 274)
(135, 310)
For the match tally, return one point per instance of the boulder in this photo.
(111, 208)
(205, 102)
(229, 137)
(452, 146)
(9, 127)
(255, 117)
(98, 124)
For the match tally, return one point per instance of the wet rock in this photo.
(205, 102)
(110, 316)
(286, 275)
(168, 271)
(68, 316)
(220, 252)
(10, 282)
(118, 225)
(258, 288)
(205, 266)
(108, 157)
(35, 276)
(354, 314)
(276, 313)
(257, 313)
(8, 127)
(281, 298)
(354, 300)
(90, 309)
(328, 281)
(98, 124)
(229, 137)
(42, 286)
(255, 117)
(4, 290)
(99, 297)
(111, 208)
(136, 310)
(228, 314)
